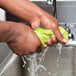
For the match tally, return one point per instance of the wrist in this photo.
(6, 33)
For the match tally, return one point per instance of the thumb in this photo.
(35, 23)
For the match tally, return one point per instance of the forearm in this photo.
(22, 8)
(0, 4)
(6, 33)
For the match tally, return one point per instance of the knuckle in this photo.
(32, 51)
(54, 27)
(49, 42)
(54, 39)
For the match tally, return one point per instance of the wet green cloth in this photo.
(44, 34)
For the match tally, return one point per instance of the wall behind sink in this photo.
(66, 11)
(2, 15)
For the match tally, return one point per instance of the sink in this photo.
(11, 66)
(4, 51)
(53, 62)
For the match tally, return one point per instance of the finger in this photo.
(58, 36)
(49, 42)
(54, 40)
(35, 23)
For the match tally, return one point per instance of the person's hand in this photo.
(25, 42)
(20, 38)
(49, 22)
(31, 13)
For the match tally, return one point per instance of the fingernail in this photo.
(65, 41)
(45, 45)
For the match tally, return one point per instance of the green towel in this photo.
(44, 34)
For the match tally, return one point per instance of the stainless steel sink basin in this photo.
(3, 51)
(11, 66)
(53, 63)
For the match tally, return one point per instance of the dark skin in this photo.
(19, 37)
(23, 39)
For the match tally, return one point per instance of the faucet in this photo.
(49, 2)
(71, 42)
(71, 36)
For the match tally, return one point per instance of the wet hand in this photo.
(23, 41)
(49, 22)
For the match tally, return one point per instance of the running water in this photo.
(34, 65)
(59, 47)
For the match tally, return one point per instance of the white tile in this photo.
(2, 15)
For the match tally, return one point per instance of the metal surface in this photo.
(66, 11)
(71, 44)
(11, 66)
(4, 51)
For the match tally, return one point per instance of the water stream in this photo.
(35, 66)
